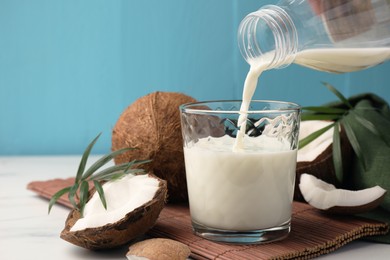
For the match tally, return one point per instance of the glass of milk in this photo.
(240, 189)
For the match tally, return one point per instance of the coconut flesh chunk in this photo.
(324, 196)
(122, 196)
(312, 150)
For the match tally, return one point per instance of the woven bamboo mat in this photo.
(313, 233)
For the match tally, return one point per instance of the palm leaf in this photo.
(117, 174)
(337, 155)
(56, 196)
(369, 126)
(124, 167)
(305, 141)
(353, 141)
(72, 195)
(309, 116)
(84, 192)
(115, 168)
(100, 191)
(102, 161)
(84, 158)
(338, 94)
(326, 110)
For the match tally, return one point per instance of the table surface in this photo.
(27, 231)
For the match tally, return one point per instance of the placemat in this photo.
(313, 233)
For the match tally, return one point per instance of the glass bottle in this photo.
(328, 35)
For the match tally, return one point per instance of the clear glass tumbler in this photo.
(241, 195)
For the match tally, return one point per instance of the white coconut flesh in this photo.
(312, 150)
(323, 195)
(122, 196)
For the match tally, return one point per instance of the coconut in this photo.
(316, 158)
(158, 248)
(133, 206)
(152, 125)
(325, 196)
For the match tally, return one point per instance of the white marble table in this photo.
(28, 232)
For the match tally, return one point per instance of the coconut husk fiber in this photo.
(152, 125)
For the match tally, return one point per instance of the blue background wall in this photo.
(68, 68)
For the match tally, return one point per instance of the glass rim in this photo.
(290, 106)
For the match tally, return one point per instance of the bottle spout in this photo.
(268, 33)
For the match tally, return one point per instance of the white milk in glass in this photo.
(240, 191)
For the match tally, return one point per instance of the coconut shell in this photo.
(322, 167)
(159, 248)
(152, 125)
(132, 226)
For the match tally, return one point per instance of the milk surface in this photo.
(249, 190)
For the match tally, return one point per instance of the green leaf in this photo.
(118, 174)
(115, 168)
(337, 155)
(84, 159)
(102, 161)
(135, 171)
(124, 167)
(72, 195)
(338, 94)
(330, 117)
(308, 139)
(56, 197)
(366, 123)
(100, 191)
(354, 141)
(326, 110)
(84, 192)
(137, 162)
(108, 175)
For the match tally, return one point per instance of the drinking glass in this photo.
(240, 189)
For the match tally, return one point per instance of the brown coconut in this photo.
(322, 166)
(152, 125)
(159, 249)
(111, 235)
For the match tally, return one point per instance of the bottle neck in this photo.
(268, 35)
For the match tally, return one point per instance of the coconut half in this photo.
(325, 196)
(316, 158)
(133, 206)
